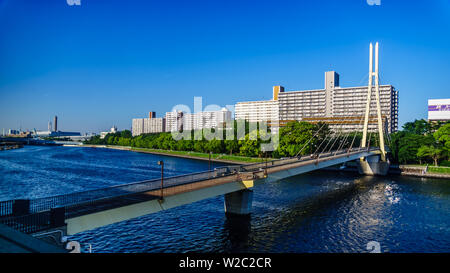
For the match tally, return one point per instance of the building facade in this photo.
(149, 125)
(174, 121)
(439, 110)
(343, 108)
(257, 111)
(206, 119)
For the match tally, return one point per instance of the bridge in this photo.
(76, 212)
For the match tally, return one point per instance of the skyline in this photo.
(93, 72)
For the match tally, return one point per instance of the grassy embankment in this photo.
(444, 167)
(235, 158)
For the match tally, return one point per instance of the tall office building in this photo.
(55, 123)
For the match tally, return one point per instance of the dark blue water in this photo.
(316, 212)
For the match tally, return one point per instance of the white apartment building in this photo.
(206, 119)
(174, 121)
(257, 111)
(341, 107)
(148, 125)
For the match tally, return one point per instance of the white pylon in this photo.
(377, 96)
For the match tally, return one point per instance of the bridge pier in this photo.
(239, 202)
(372, 165)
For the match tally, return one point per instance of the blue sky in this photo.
(106, 62)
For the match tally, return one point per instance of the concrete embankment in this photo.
(418, 171)
(4, 147)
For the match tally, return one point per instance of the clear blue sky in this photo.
(105, 62)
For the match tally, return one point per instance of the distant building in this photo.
(439, 110)
(16, 133)
(174, 121)
(55, 123)
(112, 131)
(149, 125)
(205, 119)
(56, 134)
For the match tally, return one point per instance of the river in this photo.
(315, 212)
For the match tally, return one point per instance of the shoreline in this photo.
(402, 170)
(10, 147)
(146, 151)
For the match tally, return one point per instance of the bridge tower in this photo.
(376, 164)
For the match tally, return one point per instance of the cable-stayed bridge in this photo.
(77, 212)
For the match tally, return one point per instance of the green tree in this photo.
(432, 152)
(442, 135)
(296, 135)
(418, 127)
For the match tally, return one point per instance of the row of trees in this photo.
(296, 138)
(420, 142)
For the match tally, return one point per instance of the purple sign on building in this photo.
(442, 107)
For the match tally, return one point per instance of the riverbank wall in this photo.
(10, 147)
(404, 170)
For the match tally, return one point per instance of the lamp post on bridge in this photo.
(161, 163)
(209, 160)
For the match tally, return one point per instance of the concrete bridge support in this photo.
(239, 202)
(372, 165)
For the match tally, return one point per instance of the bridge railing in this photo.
(6, 207)
(46, 203)
(29, 223)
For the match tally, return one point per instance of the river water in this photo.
(316, 212)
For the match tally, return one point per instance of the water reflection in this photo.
(236, 229)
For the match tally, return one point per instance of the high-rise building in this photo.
(337, 105)
(148, 125)
(174, 121)
(342, 107)
(256, 111)
(206, 119)
(55, 123)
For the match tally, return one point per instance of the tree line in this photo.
(297, 138)
(419, 141)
